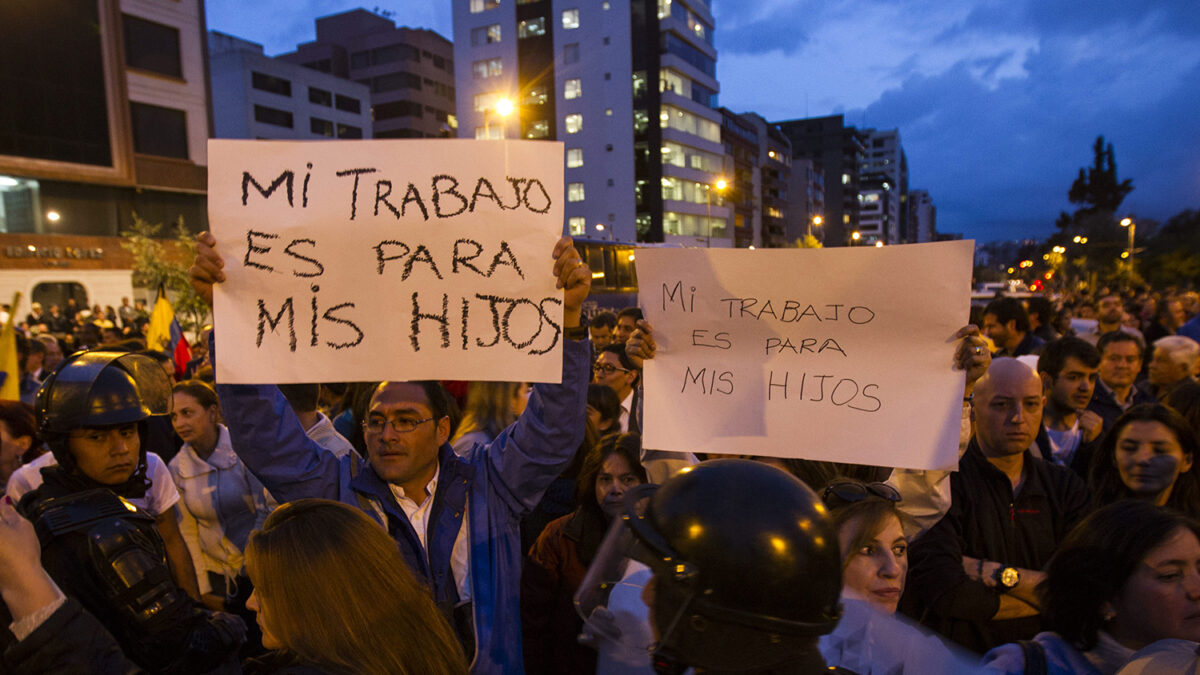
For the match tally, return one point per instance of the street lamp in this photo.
(854, 237)
(720, 185)
(879, 244)
(503, 107)
(816, 220)
(1128, 254)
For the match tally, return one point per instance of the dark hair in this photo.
(1055, 354)
(605, 401)
(19, 419)
(1041, 307)
(1105, 480)
(1185, 400)
(203, 392)
(627, 445)
(871, 512)
(1120, 336)
(619, 350)
(603, 319)
(1009, 309)
(1096, 560)
(635, 312)
(302, 397)
(441, 403)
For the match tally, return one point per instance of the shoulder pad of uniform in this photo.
(58, 516)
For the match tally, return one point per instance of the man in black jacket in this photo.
(1070, 432)
(1121, 357)
(972, 576)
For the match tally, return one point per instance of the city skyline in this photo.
(997, 105)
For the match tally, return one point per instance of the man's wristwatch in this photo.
(1006, 579)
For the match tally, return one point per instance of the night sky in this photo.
(997, 103)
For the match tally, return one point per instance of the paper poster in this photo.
(841, 354)
(386, 259)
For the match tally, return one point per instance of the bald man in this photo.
(972, 576)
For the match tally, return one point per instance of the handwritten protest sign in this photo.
(835, 354)
(371, 260)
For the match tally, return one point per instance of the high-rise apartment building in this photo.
(806, 200)
(774, 165)
(256, 96)
(838, 151)
(883, 213)
(922, 217)
(628, 86)
(409, 71)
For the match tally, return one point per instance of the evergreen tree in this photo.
(1097, 187)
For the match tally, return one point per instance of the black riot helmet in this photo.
(101, 389)
(741, 567)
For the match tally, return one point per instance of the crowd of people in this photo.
(156, 520)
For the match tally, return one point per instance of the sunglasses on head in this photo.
(850, 492)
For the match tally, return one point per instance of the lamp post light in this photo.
(854, 237)
(816, 220)
(1128, 254)
(720, 186)
(503, 107)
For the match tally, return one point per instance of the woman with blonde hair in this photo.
(491, 407)
(333, 593)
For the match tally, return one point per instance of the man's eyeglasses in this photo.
(853, 491)
(403, 425)
(608, 369)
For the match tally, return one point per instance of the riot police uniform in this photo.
(746, 571)
(98, 547)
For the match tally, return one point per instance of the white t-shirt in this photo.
(161, 496)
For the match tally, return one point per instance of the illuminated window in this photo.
(576, 226)
(572, 88)
(573, 123)
(845, 179)
(574, 158)
(478, 6)
(570, 19)
(532, 27)
(538, 129)
(485, 34)
(482, 70)
(574, 192)
(493, 132)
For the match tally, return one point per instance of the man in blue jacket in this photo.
(455, 519)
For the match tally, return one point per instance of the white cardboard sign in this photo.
(841, 354)
(373, 260)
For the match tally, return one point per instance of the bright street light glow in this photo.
(879, 244)
(721, 184)
(504, 107)
(855, 235)
(1126, 222)
(817, 220)
(53, 216)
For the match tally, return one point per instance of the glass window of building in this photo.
(270, 83)
(536, 95)
(571, 53)
(572, 88)
(478, 6)
(577, 226)
(573, 123)
(531, 27)
(321, 127)
(669, 80)
(574, 158)
(348, 104)
(347, 131)
(485, 34)
(163, 131)
(570, 19)
(537, 129)
(320, 97)
(151, 46)
(266, 115)
(481, 70)
(490, 132)
(574, 192)
(486, 101)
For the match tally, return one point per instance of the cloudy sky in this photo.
(997, 102)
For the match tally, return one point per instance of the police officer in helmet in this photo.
(97, 546)
(742, 571)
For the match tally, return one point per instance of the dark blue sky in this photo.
(997, 102)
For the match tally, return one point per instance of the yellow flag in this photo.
(158, 333)
(11, 369)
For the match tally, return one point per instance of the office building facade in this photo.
(838, 151)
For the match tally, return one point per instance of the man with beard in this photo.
(1110, 314)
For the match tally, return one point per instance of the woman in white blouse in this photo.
(221, 501)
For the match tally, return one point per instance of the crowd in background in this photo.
(1065, 538)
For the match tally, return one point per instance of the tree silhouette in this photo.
(1097, 187)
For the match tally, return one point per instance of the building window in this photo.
(159, 131)
(151, 46)
(491, 132)
(394, 109)
(608, 112)
(574, 123)
(572, 88)
(571, 53)
(270, 83)
(537, 129)
(320, 127)
(536, 96)
(610, 182)
(577, 226)
(347, 131)
(574, 158)
(279, 118)
(323, 65)
(532, 27)
(604, 5)
(482, 70)
(574, 192)
(485, 34)
(845, 179)
(607, 40)
(320, 97)
(570, 19)
(478, 6)
(486, 102)
(348, 104)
